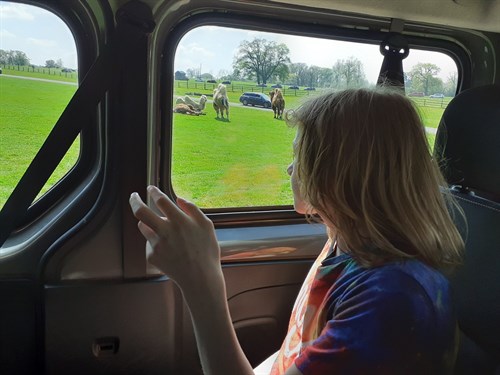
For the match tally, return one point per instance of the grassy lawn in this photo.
(215, 163)
(28, 112)
(238, 163)
(431, 116)
(44, 73)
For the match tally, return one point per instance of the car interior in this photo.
(77, 293)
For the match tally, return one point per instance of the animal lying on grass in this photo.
(198, 106)
(220, 101)
(277, 103)
(187, 110)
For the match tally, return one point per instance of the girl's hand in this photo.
(182, 243)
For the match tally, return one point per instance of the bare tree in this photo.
(348, 73)
(450, 87)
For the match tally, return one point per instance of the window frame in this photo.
(89, 144)
(81, 184)
(272, 215)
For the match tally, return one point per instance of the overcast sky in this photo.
(43, 36)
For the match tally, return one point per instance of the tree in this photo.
(450, 86)
(13, 58)
(206, 76)
(261, 59)
(348, 73)
(281, 73)
(4, 57)
(59, 63)
(298, 73)
(312, 76)
(423, 78)
(191, 73)
(325, 76)
(180, 75)
(223, 73)
(236, 75)
(50, 64)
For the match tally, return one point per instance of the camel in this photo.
(277, 103)
(187, 110)
(220, 101)
(199, 106)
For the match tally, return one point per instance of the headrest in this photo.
(468, 140)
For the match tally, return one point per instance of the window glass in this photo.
(38, 78)
(239, 159)
(431, 80)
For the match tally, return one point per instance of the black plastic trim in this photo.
(87, 48)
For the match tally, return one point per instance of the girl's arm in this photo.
(182, 244)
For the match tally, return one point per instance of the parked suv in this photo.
(255, 98)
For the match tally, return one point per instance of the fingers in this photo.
(144, 213)
(173, 213)
(148, 233)
(191, 210)
(164, 204)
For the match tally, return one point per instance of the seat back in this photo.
(468, 148)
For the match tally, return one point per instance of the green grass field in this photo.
(215, 163)
(43, 73)
(29, 110)
(238, 163)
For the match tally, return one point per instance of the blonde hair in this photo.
(364, 164)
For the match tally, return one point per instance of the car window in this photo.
(239, 159)
(38, 78)
(431, 80)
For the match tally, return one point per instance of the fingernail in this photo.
(134, 201)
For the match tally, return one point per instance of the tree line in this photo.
(19, 58)
(266, 61)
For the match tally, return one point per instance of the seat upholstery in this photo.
(468, 149)
(468, 141)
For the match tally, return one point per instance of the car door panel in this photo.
(78, 296)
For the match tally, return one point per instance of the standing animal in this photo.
(199, 106)
(220, 101)
(277, 103)
(187, 109)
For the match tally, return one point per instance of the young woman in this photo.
(374, 301)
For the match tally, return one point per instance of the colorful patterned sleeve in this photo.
(383, 322)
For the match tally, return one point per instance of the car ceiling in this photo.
(481, 15)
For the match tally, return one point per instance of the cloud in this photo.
(42, 42)
(15, 11)
(6, 34)
(194, 49)
(192, 55)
